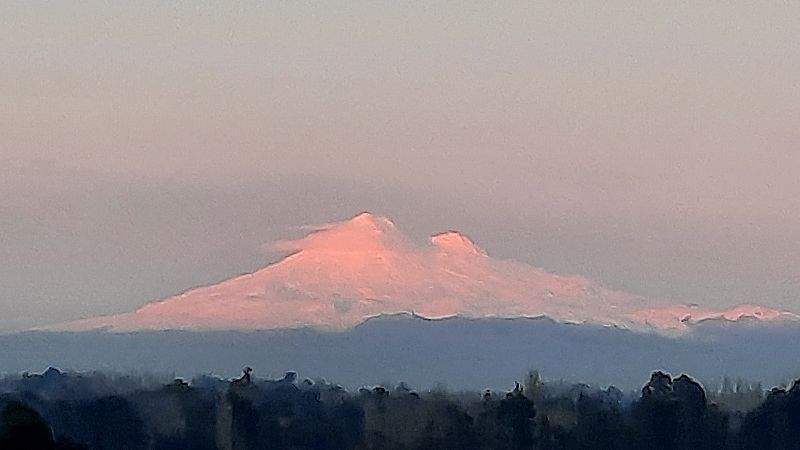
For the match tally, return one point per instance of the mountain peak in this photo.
(456, 242)
(361, 233)
(369, 220)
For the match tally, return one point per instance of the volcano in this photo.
(343, 273)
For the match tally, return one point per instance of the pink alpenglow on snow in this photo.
(677, 316)
(345, 272)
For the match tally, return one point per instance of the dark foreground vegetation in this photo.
(54, 410)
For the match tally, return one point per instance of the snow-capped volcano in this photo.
(342, 273)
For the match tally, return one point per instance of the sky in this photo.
(146, 148)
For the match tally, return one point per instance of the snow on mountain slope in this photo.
(342, 273)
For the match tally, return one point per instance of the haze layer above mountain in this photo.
(342, 273)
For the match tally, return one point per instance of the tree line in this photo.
(55, 410)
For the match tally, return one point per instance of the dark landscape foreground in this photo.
(402, 382)
(56, 410)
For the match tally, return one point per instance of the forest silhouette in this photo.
(56, 410)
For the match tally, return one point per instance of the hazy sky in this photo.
(146, 147)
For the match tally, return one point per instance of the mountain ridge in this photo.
(341, 273)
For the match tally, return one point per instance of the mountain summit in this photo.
(342, 273)
(456, 243)
(363, 233)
